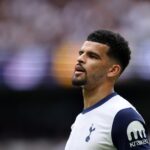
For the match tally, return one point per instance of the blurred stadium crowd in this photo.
(39, 40)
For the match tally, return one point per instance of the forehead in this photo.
(94, 46)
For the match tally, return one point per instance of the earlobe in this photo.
(114, 71)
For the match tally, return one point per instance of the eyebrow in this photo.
(91, 52)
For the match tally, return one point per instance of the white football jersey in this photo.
(112, 123)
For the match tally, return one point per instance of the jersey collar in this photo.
(99, 103)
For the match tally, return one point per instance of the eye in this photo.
(94, 56)
(81, 52)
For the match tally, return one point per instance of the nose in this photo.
(81, 58)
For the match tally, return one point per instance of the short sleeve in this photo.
(129, 131)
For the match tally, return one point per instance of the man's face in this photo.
(92, 64)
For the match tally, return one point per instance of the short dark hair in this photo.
(118, 46)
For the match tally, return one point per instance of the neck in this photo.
(92, 96)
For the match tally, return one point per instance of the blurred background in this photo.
(39, 42)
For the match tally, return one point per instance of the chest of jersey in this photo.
(91, 131)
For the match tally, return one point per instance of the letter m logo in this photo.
(135, 130)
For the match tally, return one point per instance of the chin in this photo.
(78, 82)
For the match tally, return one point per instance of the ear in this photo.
(114, 70)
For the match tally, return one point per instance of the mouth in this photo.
(79, 69)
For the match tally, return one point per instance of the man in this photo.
(108, 121)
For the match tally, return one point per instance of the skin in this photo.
(95, 72)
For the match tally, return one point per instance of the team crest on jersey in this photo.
(91, 129)
(136, 134)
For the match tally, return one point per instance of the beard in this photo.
(78, 82)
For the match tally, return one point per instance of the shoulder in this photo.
(115, 106)
(128, 114)
(118, 103)
(129, 130)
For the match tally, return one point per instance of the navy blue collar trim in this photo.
(99, 103)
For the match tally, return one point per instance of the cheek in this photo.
(97, 71)
(92, 69)
(96, 68)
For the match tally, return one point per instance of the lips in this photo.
(79, 68)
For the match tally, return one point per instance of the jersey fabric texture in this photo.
(111, 124)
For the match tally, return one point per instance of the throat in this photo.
(91, 97)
